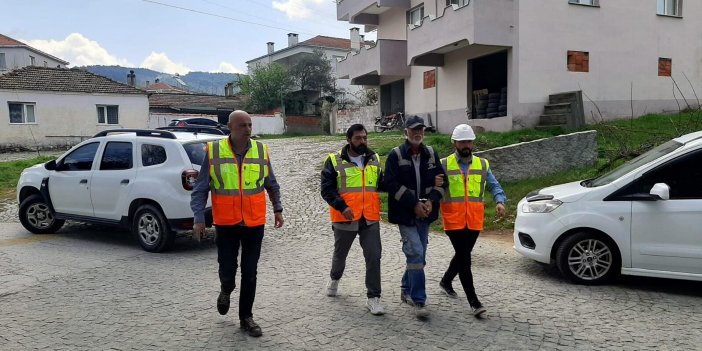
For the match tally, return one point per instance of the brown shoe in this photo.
(251, 327)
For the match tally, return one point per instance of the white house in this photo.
(50, 107)
(433, 56)
(16, 54)
(334, 49)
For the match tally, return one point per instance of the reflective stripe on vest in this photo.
(462, 205)
(358, 187)
(236, 195)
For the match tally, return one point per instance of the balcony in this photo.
(366, 11)
(482, 23)
(386, 58)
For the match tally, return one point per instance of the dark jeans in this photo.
(463, 242)
(229, 238)
(369, 238)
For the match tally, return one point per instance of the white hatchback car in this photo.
(130, 178)
(643, 218)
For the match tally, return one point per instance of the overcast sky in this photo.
(173, 36)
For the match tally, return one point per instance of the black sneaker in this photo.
(448, 289)
(251, 327)
(223, 303)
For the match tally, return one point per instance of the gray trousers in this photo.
(369, 238)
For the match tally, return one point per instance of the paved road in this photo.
(89, 288)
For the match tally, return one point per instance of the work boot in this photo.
(251, 327)
(223, 303)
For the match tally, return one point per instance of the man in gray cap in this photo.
(413, 179)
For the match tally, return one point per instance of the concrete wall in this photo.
(364, 115)
(394, 24)
(66, 118)
(268, 124)
(542, 157)
(624, 39)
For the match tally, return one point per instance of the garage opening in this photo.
(487, 85)
(392, 97)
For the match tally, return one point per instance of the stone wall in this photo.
(365, 115)
(542, 157)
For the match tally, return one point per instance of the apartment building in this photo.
(435, 58)
(15, 54)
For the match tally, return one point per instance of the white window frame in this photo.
(672, 8)
(418, 9)
(25, 112)
(105, 119)
(32, 60)
(595, 3)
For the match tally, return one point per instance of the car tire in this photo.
(151, 229)
(589, 259)
(37, 217)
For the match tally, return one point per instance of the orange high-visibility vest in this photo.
(236, 195)
(358, 187)
(462, 206)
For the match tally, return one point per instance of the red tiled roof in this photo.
(329, 42)
(163, 88)
(7, 41)
(197, 101)
(63, 80)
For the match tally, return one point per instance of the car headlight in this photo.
(544, 206)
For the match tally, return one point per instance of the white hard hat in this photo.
(463, 132)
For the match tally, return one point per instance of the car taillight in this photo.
(188, 178)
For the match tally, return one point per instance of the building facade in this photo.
(436, 57)
(15, 54)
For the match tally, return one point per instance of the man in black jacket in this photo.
(350, 182)
(413, 179)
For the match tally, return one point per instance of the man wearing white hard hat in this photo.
(462, 209)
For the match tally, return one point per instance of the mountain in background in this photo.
(200, 82)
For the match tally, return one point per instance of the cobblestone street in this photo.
(93, 288)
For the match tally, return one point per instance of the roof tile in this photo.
(63, 80)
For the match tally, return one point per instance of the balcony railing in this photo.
(366, 11)
(483, 22)
(386, 58)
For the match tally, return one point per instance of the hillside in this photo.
(202, 82)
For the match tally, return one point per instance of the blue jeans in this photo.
(415, 239)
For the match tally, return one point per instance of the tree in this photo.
(266, 86)
(314, 72)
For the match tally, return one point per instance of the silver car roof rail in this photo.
(139, 132)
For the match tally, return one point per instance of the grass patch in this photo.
(10, 172)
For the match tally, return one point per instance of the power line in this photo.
(224, 17)
(238, 10)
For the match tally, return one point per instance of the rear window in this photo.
(196, 152)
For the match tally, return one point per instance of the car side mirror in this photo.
(660, 191)
(51, 165)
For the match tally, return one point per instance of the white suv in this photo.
(643, 218)
(130, 178)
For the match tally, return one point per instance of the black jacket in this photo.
(401, 184)
(329, 189)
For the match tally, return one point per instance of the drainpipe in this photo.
(436, 97)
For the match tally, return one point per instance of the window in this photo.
(117, 155)
(107, 114)
(578, 61)
(681, 175)
(31, 60)
(415, 15)
(196, 152)
(46, 64)
(670, 8)
(21, 112)
(585, 2)
(80, 159)
(458, 3)
(665, 67)
(152, 155)
(3, 64)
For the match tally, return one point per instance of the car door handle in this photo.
(84, 181)
(124, 181)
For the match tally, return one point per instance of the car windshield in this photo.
(196, 151)
(632, 164)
